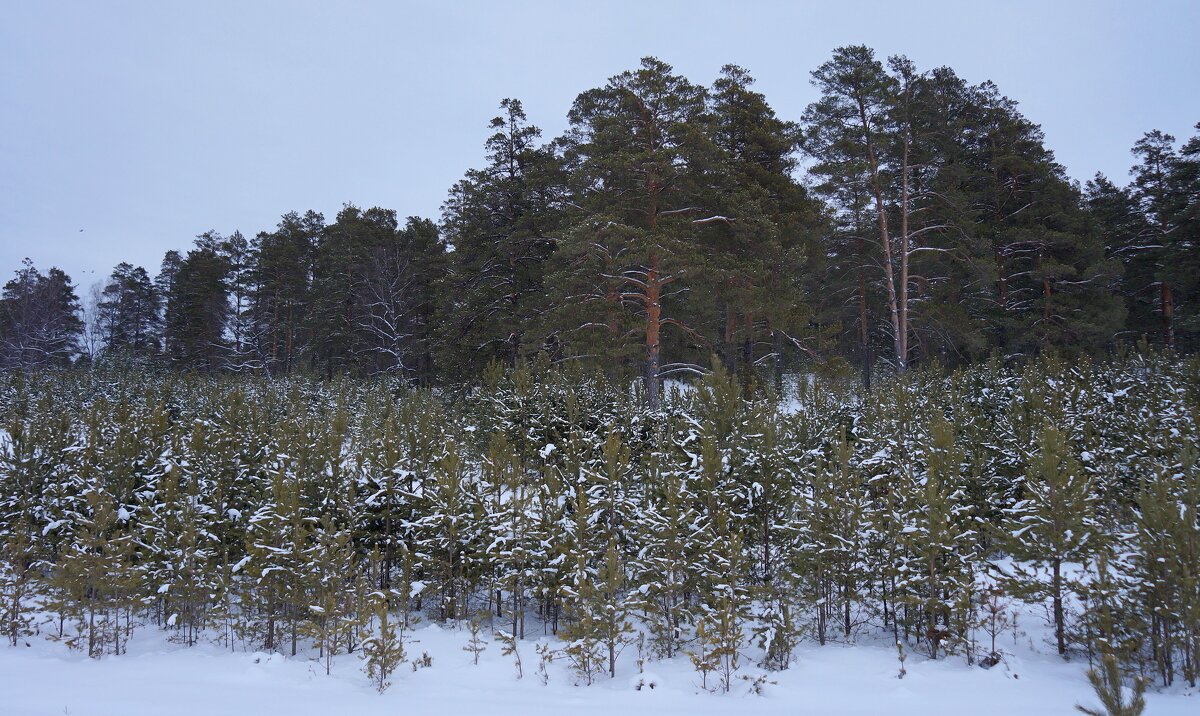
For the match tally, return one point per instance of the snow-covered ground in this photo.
(157, 678)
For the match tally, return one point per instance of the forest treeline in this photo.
(320, 517)
(907, 217)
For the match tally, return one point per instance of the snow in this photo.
(53, 526)
(158, 677)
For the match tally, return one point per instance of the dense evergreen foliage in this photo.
(672, 221)
(325, 516)
(311, 438)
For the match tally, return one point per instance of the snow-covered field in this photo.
(157, 678)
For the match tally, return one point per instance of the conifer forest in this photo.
(690, 384)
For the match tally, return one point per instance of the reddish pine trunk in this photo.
(885, 241)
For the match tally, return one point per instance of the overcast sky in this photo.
(127, 128)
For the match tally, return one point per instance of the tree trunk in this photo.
(777, 346)
(885, 240)
(1059, 628)
(1047, 292)
(902, 339)
(864, 334)
(1168, 315)
(730, 332)
(748, 348)
(1001, 282)
(653, 329)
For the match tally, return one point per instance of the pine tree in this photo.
(197, 311)
(245, 349)
(1107, 683)
(1180, 276)
(1110, 616)
(1053, 523)
(39, 319)
(1127, 237)
(17, 583)
(1152, 190)
(475, 644)
(849, 131)
(178, 550)
(512, 648)
(581, 593)
(665, 569)
(1052, 281)
(331, 564)
(758, 229)
(95, 580)
(939, 538)
(383, 650)
(613, 623)
(774, 535)
(514, 536)
(637, 138)
(1157, 570)
(129, 311)
(829, 554)
(703, 655)
(445, 530)
(277, 538)
(725, 608)
(392, 480)
(227, 460)
(283, 290)
(500, 221)
(373, 293)
(556, 558)
(1187, 561)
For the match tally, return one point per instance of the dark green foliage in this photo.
(373, 294)
(671, 222)
(39, 319)
(129, 311)
(636, 153)
(474, 418)
(283, 289)
(264, 513)
(500, 221)
(197, 311)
